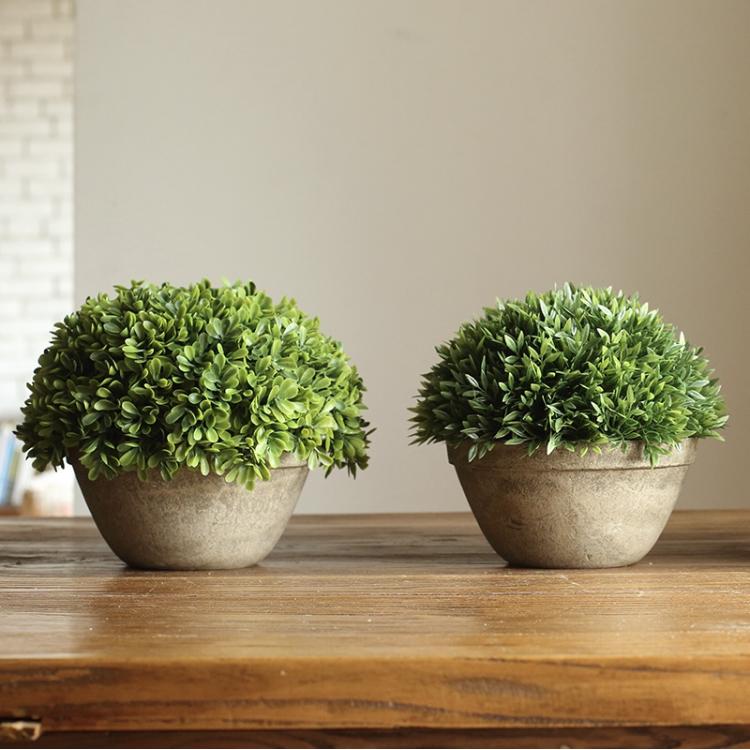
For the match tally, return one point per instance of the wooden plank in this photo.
(375, 622)
(604, 737)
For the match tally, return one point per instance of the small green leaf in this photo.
(104, 405)
(175, 413)
(128, 407)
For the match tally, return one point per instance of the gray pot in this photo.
(569, 511)
(192, 522)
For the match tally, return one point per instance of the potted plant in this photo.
(191, 416)
(571, 419)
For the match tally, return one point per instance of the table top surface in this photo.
(375, 621)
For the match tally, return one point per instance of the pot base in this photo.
(568, 511)
(192, 522)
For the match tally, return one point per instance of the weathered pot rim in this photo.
(515, 458)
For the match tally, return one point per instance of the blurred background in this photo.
(393, 165)
(36, 224)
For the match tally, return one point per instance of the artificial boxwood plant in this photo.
(219, 380)
(573, 368)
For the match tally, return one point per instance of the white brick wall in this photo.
(36, 183)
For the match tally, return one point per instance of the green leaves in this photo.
(219, 380)
(574, 368)
(175, 414)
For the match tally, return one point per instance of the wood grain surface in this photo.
(603, 737)
(376, 623)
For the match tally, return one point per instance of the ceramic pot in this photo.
(570, 511)
(192, 522)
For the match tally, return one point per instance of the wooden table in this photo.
(377, 630)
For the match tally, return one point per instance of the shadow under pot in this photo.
(565, 510)
(192, 522)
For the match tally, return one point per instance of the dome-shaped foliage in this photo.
(575, 368)
(219, 380)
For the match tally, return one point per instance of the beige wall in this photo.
(398, 165)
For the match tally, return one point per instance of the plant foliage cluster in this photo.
(575, 368)
(220, 380)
